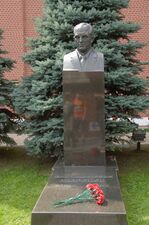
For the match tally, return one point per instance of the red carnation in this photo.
(91, 192)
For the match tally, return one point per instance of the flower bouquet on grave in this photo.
(92, 192)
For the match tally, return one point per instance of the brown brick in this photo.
(17, 20)
(138, 12)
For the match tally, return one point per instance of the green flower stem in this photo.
(86, 195)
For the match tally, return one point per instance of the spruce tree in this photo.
(7, 115)
(39, 96)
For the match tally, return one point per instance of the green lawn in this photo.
(134, 179)
(22, 179)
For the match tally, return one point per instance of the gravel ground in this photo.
(20, 139)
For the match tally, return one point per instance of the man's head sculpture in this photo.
(84, 58)
(83, 36)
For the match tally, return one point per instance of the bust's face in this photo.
(83, 40)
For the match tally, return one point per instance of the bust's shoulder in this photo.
(70, 54)
(99, 54)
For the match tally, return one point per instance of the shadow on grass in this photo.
(16, 156)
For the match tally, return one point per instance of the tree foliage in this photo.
(39, 97)
(7, 115)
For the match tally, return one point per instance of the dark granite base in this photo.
(91, 156)
(84, 123)
(69, 181)
(44, 213)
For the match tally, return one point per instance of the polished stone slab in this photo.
(69, 181)
(81, 175)
(84, 136)
(44, 213)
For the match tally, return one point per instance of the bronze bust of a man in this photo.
(84, 58)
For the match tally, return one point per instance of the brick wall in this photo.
(17, 20)
(138, 12)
